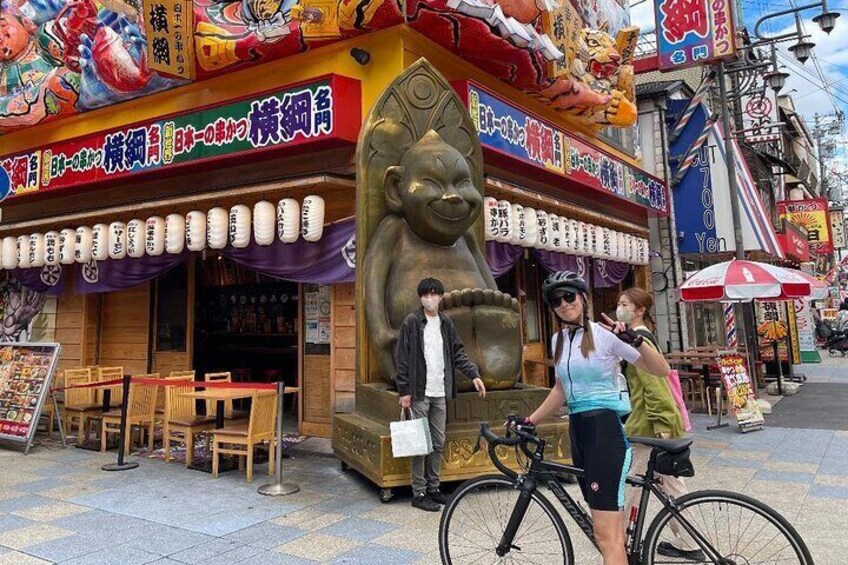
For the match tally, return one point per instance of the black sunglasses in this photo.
(558, 297)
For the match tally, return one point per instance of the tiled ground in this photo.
(58, 506)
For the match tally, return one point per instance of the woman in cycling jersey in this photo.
(588, 357)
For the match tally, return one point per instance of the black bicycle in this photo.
(506, 519)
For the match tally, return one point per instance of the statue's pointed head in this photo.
(432, 189)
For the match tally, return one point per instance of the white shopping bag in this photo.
(410, 437)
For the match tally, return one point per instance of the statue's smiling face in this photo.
(440, 201)
(13, 37)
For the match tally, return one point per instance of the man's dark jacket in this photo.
(411, 376)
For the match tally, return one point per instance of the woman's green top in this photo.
(653, 408)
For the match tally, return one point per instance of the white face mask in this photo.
(624, 314)
(431, 303)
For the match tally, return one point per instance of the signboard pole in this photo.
(121, 465)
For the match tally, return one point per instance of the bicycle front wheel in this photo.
(744, 531)
(474, 521)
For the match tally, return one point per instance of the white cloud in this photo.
(642, 15)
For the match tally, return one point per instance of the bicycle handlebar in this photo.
(524, 434)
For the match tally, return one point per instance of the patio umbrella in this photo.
(743, 281)
(819, 290)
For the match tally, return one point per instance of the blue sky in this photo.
(831, 52)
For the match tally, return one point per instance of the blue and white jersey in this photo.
(594, 383)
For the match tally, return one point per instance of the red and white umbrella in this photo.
(741, 281)
(819, 290)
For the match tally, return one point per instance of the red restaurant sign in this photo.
(794, 243)
(326, 110)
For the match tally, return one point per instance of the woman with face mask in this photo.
(587, 358)
(654, 414)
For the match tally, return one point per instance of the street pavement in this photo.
(57, 506)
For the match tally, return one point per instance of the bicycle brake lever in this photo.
(477, 445)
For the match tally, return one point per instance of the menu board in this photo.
(740, 393)
(26, 373)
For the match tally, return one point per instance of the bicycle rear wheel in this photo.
(744, 531)
(475, 518)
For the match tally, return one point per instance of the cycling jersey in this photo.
(593, 383)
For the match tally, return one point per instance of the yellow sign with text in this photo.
(169, 25)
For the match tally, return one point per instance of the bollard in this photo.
(278, 487)
(121, 465)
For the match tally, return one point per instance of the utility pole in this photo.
(826, 124)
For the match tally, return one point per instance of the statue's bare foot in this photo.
(488, 324)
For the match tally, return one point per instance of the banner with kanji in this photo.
(170, 37)
(324, 111)
(694, 32)
(740, 392)
(812, 215)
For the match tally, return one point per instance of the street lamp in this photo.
(803, 48)
(776, 80)
(826, 20)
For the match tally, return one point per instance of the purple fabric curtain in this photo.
(609, 273)
(332, 259)
(46, 280)
(552, 262)
(502, 257)
(118, 274)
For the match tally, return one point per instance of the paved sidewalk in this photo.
(57, 506)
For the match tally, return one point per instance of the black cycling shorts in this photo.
(600, 447)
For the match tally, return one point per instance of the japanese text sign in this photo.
(694, 32)
(170, 37)
(837, 228)
(740, 393)
(562, 24)
(515, 133)
(812, 215)
(309, 113)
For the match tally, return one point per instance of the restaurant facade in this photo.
(206, 218)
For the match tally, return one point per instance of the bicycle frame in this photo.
(541, 471)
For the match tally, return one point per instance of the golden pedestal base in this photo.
(362, 440)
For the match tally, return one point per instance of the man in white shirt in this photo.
(428, 351)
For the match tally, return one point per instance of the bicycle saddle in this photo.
(675, 445)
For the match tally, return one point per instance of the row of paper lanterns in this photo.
(527, 227)
(196, 231)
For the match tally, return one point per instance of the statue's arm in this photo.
(480, 259)
(378, 260)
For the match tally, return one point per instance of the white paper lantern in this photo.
(154, 236)
(82, 245)
(36, 250)
(555, 230)
(312, 218)
(490, 216)
(628, 249)
(240, 226)
(67, 237)
(117, 240)
(175, 233)
(598, 243)
(51, 248)
(570, 226)
(644, 252)
(621, 246)
(10, 253)
(606, 244)
(542, 230)
(264, 217)
(580, 246)
(195, 231)
(135, 239)
(565, 238)
(530, 227)
(288, 220)
(613, 237)
(504, 222)
(519, 225)
(217, 228)
(100, 242)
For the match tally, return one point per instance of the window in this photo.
(172, 309)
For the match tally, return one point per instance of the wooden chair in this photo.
(80, 403)
(239, 439)
(110, 374)
(181, 418)
(160, 396)
(211, 405)
(141, 412)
